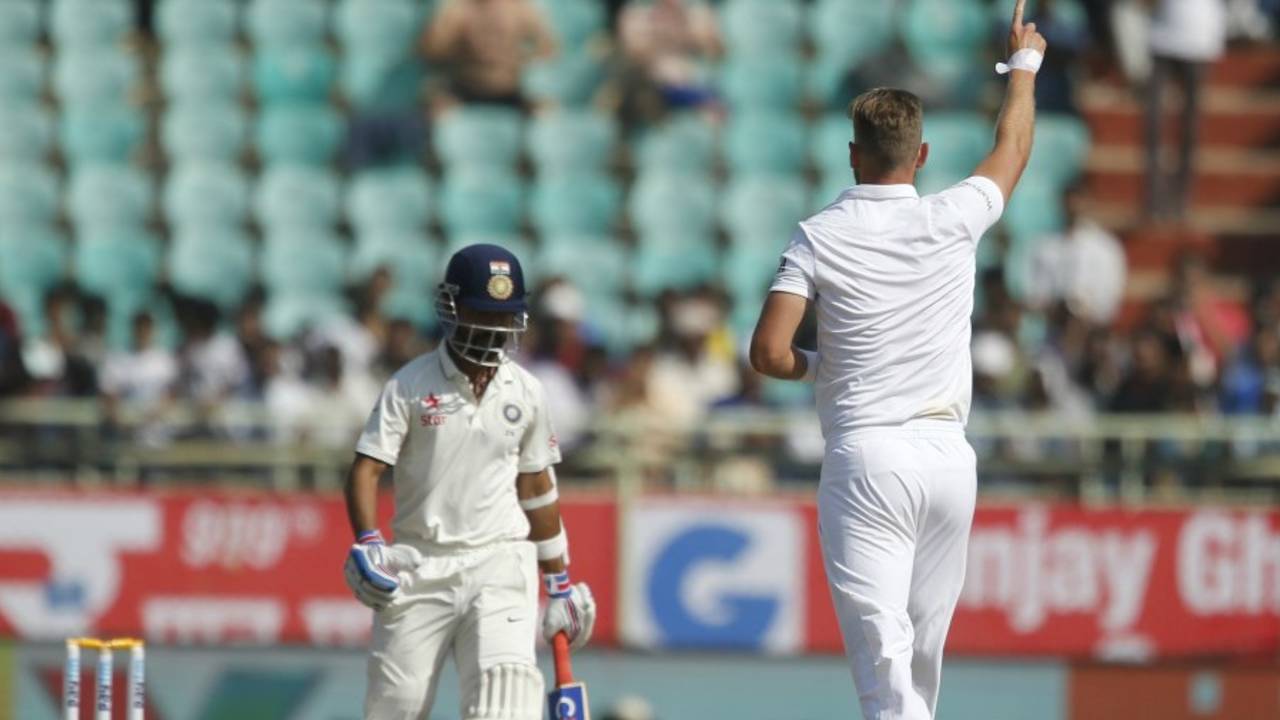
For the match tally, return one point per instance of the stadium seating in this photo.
(202, 73)
(303, 263)
(479, 137)
(192, 23)
(21, 75)
(386, 28)
(414, 263)
(575, 204)
(604, 260)
(570, 80)
(90, 76)
(571, 140)
(283, 23)
(672, 203)
(763, 28)
(389, 200)
(829, 143)
(19, 22)
(477, 201)
(944, 36)
(286, 315)
(106, 133)
(26, 132)
(214, 264)
(686, 143)
(1061, 148)
(574, 22)
(29, 194)
(118, 264)
(1035, 210)
(89, 23)
(33, 258)
(296, 198)
(764, 142)
(762, 82)
(202, 131)
(107, 196)
(294, 74)
(763, 210)
(206, 195)
(846, 32)
(301, 134)
(671, 261)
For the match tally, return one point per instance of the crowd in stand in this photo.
(1053, 345)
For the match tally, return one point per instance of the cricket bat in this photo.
(568, 701)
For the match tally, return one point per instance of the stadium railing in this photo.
(1103, 458)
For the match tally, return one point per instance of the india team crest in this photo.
(512, 413)
(500, 287)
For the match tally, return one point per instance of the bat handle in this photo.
(564, 667)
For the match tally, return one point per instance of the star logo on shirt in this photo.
(431, 402)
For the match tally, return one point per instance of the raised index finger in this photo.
(1017, 13)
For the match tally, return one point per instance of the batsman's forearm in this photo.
(362, 495)
(1015, 130)
(544, 524)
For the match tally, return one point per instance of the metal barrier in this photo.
(1130, 458)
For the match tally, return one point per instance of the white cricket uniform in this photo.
(891, 275)
(456, 461)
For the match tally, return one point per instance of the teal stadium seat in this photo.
(294, 74)
(29, 194)
(298, 134)
(830, 184)
(94, 75)
(672, 203)
(204, 131)
(214, 264)
(303, 263)
(575, 22)
(762, 83)
(286, 317)
(397, 199)
(479, 137)
(296, 197)
(761, 28)
(413, 261)
(847, 32)
(109, 196)
(1061, 148)
(480, 201)
(747, 273)
(595, 263)
(89, 23)
(200, 195)
(279, 23)
(958, 142)
(762, 210)
(33, 258)
(568, 80)
(192, 23)
(686, 143)
(584, 203)
(765, 142)
(202, 74)
(21, 75)
(377, 38)
(118, 264)
(673, 262)
(26, 133)
(945, 37)
(19, 23)
(829, 143)
(1034, 211)
(571, 140)
(623, 326)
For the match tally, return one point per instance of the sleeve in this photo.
(387, 426)
(539, 448)
(798, 267)
(975, 204)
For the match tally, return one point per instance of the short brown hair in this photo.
(888, 126)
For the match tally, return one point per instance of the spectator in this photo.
(1249, 383)
(53, 360)
(1208, 325)
(1069, 38)
(692, 372)
(288, 398)
(340, 402)
(214, 366)
(146, 377)
(487, 44)
(1083, 267)
(557, 354)
(1157, 378)
(665, 44)
(13, 376)
(1187, 36)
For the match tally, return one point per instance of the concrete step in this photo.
(1232, 117)
(1216, 220)
(1251, 67)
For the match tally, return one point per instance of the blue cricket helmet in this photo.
(483, 278)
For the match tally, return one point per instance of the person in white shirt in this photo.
(146, 376)
(1084, 267)
(1186, 36)
(476, 512)
(891, 277)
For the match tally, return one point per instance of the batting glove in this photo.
(571, 609)
(372, 568)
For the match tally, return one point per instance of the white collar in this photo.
(881, 192)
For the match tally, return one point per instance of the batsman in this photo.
(476, 512)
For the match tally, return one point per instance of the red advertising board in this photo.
(212, 567)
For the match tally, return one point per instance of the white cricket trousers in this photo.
(894, 510)
(480, 605)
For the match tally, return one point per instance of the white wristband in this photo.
(541, 501)
(811, 364)
(553, 547)
(1025, 59)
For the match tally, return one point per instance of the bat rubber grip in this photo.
(564, 667)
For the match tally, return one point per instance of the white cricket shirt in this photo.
(457, 460)
(891, 275)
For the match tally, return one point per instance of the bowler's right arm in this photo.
(1015, 129)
